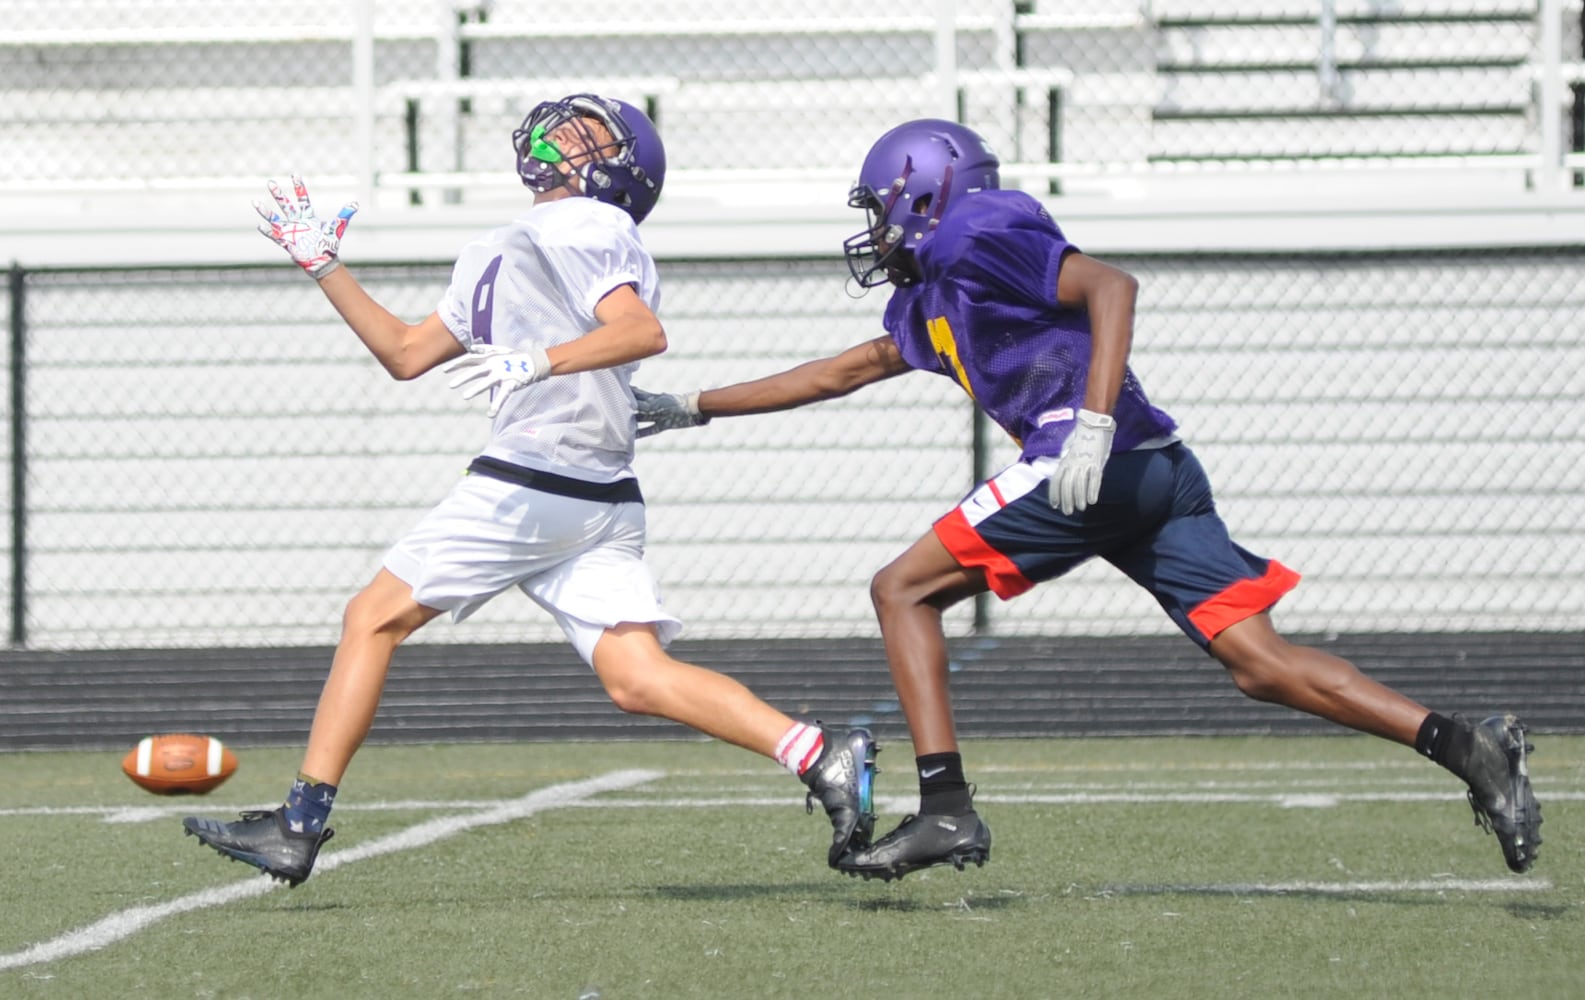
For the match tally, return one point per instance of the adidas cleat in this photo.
(923, 842)
(1499, 789)
(843, 780)
(262, 839)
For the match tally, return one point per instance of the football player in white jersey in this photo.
(550, 314)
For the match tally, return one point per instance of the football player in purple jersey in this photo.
(987, 291)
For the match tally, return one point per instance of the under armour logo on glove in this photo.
(1076, 483)
(492, 366)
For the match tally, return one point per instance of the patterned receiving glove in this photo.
(667, 411)
(312, 242)
(492, 366)
(1076, 483)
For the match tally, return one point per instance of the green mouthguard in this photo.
(540, 148)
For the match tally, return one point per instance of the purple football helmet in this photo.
(627, 173)
(909, 177)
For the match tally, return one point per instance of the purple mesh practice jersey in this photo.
(986, 316)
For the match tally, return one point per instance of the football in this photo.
(179, 764)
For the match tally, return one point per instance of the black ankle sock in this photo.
(1432, 739)
(942, 788)
(1445, 741)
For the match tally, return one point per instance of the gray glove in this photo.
(1076, 483)
(667, 411)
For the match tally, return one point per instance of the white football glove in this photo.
(313, 242)
(492, 366)
(1076, 483)
(667, 411)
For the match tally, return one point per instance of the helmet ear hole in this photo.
(922, 203)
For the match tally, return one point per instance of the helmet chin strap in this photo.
(896, 190)
(558, 180)
(941, 202)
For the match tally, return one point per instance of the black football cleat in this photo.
(843, 780)
(922, 842)
(1499, 788)
(263, 840)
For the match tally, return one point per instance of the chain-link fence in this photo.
(204, 456)
(210, 458)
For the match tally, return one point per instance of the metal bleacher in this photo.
(1421, 79)
(409, 103)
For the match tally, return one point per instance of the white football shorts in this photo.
(580, 560)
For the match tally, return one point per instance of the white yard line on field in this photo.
(1113, 767)
(886, 804)
(128, 922)
(1123, 794)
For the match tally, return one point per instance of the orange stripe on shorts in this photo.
(969, 549)
(1244, 599)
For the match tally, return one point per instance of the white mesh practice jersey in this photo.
(535, 282)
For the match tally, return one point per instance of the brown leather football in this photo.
(179, 764)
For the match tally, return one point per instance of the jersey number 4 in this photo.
(484, 302)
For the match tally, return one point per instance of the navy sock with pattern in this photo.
(308, 804)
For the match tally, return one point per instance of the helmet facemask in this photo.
(873, 255)
(897, 221)
(607, 170)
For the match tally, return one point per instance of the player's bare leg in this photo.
(643, 679)
(910, 595)
(1267, 667)
(375, 622)
(284, 842)
(838, 769)
(1491, 757)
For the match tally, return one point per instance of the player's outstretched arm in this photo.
(314, 244)
(405, 350)
(810, 382)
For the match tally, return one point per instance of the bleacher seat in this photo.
(97, 95)
(1241, 79)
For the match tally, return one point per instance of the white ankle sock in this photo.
(799, 748)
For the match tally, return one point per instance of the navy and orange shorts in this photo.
(1155, 521)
